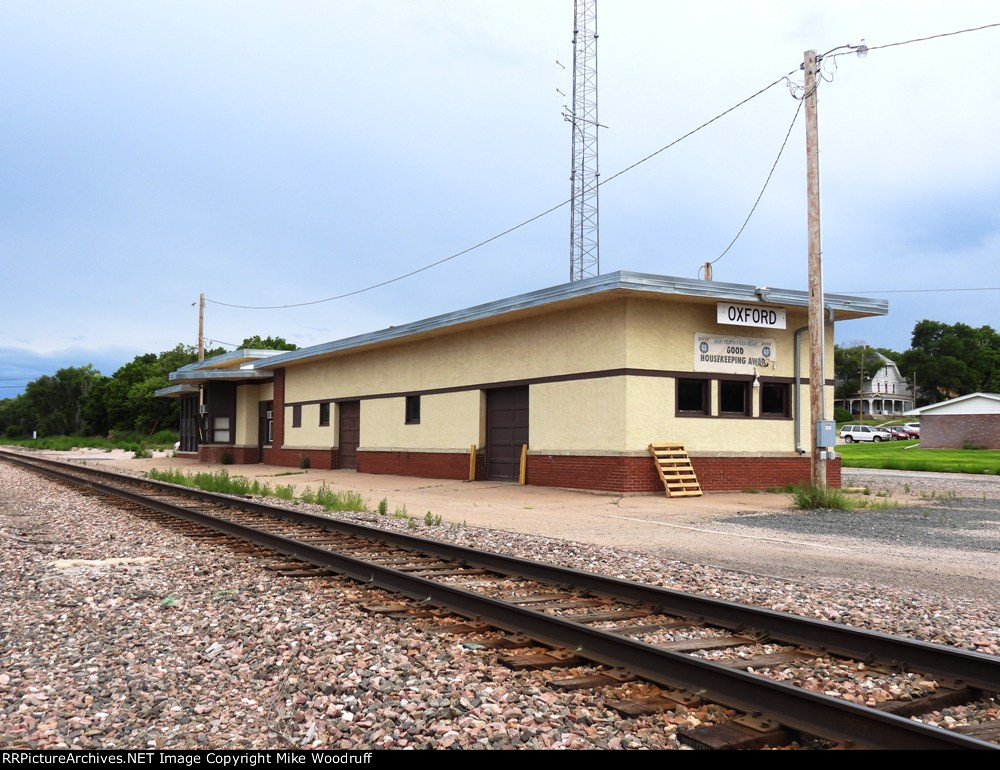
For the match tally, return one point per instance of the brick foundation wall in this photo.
(320, 459)
(241, 455)
(953, 431)
(425, 465)
(638, 474)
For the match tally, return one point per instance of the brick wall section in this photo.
(953, 431)
(638, 474)
(320, 459)
(425, 465)
(241, 455)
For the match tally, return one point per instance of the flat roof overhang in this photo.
(198, 377)
(176, 391)
(233, 360)
(588, 291)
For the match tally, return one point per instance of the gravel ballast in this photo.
(151, 639)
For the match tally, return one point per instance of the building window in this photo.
(220, 430)
(734, 398)
(774, 401)
(413, 410)
(324, 414)
(692, 397)
(296, 416)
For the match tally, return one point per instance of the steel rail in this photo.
(973, 668)
(802, 710)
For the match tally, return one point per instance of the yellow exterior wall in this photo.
(651, 419)
(606, 414)
(577, 415)
(575, 340)
(447, 421)
(247, 398)
(311, 435)
(661, 336)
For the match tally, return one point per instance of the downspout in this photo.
(798, 384)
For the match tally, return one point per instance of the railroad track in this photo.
(583, 618)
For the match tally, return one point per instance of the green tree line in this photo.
(80, 401)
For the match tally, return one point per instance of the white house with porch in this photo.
(885, 394)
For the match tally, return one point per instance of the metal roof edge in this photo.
(172, 391)
(230, 356)
(956, 400)
(620, 280)
(218, 374)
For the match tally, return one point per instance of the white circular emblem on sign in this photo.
(703, 347)
(765, 351)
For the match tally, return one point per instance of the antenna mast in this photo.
(584, 257)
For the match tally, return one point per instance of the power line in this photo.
(509, 230)
(766, 181)
(933, 37)
(853, 49)
(916, 291)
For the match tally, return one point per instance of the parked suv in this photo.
(852, 433)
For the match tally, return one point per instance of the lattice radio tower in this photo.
(584, 251)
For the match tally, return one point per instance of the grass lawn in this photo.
(164, 439)
(895, 455)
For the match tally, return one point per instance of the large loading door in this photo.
(506, 432)
(350, 434)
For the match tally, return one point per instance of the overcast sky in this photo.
(271, 153)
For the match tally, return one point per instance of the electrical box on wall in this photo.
(826, 433)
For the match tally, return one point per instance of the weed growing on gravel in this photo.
(222, 483)
(411, 523)
(142, 453)
(335, 501)
(400, 513)
(808, 497)
(431, 520)
(168, 602)
(383, 507)
(878, 505)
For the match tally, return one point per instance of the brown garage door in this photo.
(350, 433)
(506, 432)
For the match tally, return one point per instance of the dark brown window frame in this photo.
(412, 410)
(747, 398)
(324, 414)
(706, 398)
(296, 416)
(786, 414)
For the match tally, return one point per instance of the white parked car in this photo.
(852, 433)
(913, 429)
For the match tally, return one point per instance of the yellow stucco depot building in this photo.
(586, 374)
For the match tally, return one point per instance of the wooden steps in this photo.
(676, 473)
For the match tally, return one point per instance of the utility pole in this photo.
(201, 326)
(817, 335)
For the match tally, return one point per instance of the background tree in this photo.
(268, 343)
(953, 360)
